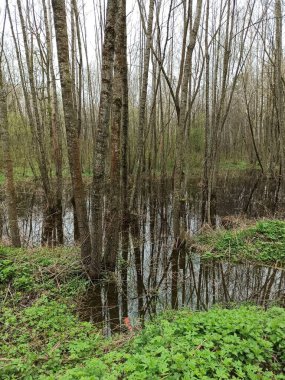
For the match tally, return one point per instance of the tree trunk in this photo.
(100, 151)
(142, 104)
(113, 211)
(55, 127)
(70, 118)
(180, 151)
(279, 94)
(207, 121)
(8, 167)
(124, 164)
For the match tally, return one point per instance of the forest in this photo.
(142, 183)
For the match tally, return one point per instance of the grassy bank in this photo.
(42, 336)
(263, 241)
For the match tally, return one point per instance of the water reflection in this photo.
(250, 194)
(154, 273)
(200, 286)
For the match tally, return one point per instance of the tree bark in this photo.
(142, 104)
(70, 118)
(180, 152)
(279, 94)
(55, 128)
(114, 210)
(100, 151)
(8, 167)
(124, 163)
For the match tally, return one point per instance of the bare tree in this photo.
(143, 97)
(100, 150)
(279, 84)
(7, 159)
(180, 149)
(71, 127)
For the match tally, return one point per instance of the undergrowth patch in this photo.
(40, 332)
(245, 343)
(262, 242)
(42, 336)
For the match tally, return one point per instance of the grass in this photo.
(236, 165)
(42, 336)
(262, 242)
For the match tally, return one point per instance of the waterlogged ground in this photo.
(224, 267)
(56, 324)
(44, 292)
(47, 341)
(248, 194)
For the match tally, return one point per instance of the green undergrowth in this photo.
(40, 332)
(20, 175)
(236, 165)
(245, 343)
(195, 168)
(33, 272)
(42, 336)
(26, 175)
(263, 242)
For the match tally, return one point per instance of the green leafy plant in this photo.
(43, 338)
(263, 242)
(7, 270)
(244, 343)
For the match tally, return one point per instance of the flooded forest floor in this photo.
(55, 324)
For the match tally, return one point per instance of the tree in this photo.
(279, 86)
(71, 127)
(142, 102)
(100, 149)
(180, 149)
(8, 164)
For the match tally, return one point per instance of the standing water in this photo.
(142, 286)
